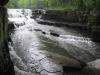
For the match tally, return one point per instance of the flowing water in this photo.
(34, 51)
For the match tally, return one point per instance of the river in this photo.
(35, 51)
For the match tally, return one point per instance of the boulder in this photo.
(92, 68)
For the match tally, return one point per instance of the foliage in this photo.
(54, 4)
(12, 4)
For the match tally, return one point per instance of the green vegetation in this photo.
(92, 6)
(53, 4)
(12, 4)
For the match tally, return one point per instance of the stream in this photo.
(43, 49)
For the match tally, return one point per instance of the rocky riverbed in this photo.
(38, 49)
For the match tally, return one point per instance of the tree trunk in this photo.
(97, 12)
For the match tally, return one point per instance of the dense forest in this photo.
(54, 4)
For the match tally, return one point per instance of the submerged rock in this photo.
(93, 68)
(54, 33)
(43, 32)
(37, 30)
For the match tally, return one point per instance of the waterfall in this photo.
(35, 51)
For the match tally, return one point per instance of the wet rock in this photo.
(36, 13)
(54, 33)
(20, 24)
(11, 26)
(58, 15)
(51, 23)
(74, 19)
(43, 32)
(92, 68)
(9, 39)
(37, 29)
(74, 70)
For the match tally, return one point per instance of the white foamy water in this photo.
(26, 50)
(26, 55)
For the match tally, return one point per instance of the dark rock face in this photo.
(62, 16)
(96, 36)
(11, 27)
(74, 19)
(6, 65)
(3, 2)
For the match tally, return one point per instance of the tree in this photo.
(12, 4)
(97, 12)
(81, 5)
